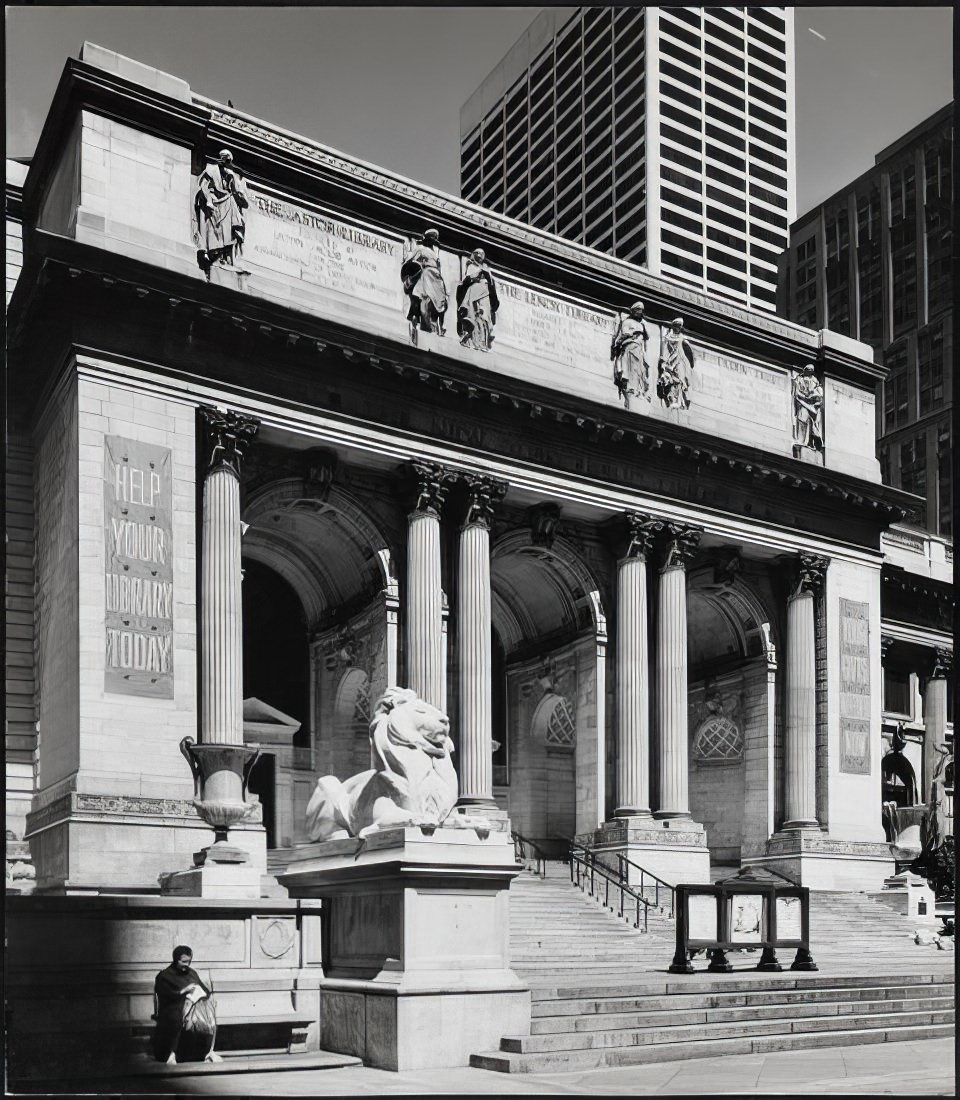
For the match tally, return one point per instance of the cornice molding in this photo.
(278, 325)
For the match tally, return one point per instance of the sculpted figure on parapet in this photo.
(628, 350)
(477, 303)
(807, 409)
(424, 286)
(674, 367)
(218, 214)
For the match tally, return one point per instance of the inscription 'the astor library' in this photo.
(139, 569)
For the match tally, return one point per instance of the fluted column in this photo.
(935, 716)
(221, 658)
(800, 739)
(425, 671)
(633, 693)
(475, 655)
(672, 671)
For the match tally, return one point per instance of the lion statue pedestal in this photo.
(415, 925)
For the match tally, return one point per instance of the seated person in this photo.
(174, 990)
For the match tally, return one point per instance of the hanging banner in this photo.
(138, 534)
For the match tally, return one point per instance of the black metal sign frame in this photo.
(738, 913)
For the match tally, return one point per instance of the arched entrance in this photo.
(731, 716)
(549, 624)
(276, 670)
(319, 597)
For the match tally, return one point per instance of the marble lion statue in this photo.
(413, 781)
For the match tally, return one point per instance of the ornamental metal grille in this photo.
(561, 725)
(717, 740)
(361, 706)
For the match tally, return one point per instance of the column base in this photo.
(810, 858)
(674, 850)
(488, 811)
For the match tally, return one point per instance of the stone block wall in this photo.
(56, 488)
(135, 193)
(21, 718)
(854, 702)
(730, 797)
(129, 743)
(552, 737)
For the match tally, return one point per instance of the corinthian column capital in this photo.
(942, 666)
(642, 531)
(227, 434)
(682, 543)
(431, 482)
(810, 574)
(483, 495)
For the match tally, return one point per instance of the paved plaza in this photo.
(923, 1068)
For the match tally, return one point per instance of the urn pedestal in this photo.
(222, 869)
(416, 944)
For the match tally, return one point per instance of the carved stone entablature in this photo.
(942, 668)
(810, 574)
(431, 482)
(642, 531)
(228, 435)
(483, 495)
(682, 544)
(543, 519)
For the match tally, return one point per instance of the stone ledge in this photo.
(126, 905)
(814, 842)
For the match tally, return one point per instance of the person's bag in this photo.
(200, 1017)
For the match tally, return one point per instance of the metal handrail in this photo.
(623, 865)
(584, 869)
(520, 855)
(658, 883)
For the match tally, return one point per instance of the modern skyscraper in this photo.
(664, 136)
(874, 262)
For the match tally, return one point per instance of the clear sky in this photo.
(386, 84)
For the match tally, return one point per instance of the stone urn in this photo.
(220, 775)
(906, 844)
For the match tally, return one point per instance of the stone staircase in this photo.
(602, 995)
(633, 1023)
(558, 933)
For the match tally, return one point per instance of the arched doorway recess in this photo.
(338, 563)
(549, 622)
(732, 716)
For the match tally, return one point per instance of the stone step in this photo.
(752, 982)
(684, 1033)
(706, 1048)
(237, 1062)
(552, 1007)
(604, 1021)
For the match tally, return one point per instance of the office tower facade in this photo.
(664, 136)
(874, 262)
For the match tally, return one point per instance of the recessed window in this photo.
(896, 692)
